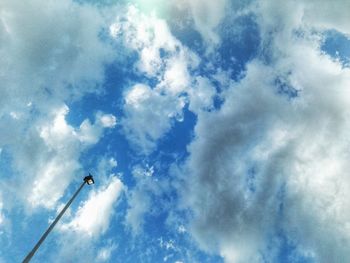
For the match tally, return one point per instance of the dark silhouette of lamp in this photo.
(89, 179)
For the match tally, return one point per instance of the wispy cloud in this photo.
(93, 216)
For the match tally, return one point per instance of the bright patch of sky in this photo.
(215, 131)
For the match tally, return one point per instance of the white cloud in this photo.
(139, 203)
(47, 55)
(328, 14)
(51, 54)
(113, 162)
(181, 229)
(140, 198)
(94, 215)
(104, 254)
(207, 16)
(105, 168)
(176, 77)
(201, 95)
(150, 111)
(148, 35)
(263, 149)
(90, 133)
(149, 114)
(59, 160)
(107, 120)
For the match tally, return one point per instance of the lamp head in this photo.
(89, 179)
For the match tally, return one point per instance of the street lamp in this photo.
(87, 180)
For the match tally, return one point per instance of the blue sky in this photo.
(216, 131)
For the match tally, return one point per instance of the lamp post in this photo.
(87, 180)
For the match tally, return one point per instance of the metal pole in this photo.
(31, 253)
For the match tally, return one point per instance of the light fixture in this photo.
(89, 180)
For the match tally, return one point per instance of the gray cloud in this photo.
(267, 161)
(271, 159)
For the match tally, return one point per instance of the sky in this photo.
(216, 131)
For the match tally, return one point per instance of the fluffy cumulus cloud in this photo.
(47, 55)
(51, 150)
(61, 148)
(274, 159)
(52, 53)
(150, 110)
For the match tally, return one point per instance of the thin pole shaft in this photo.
(31, 253)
